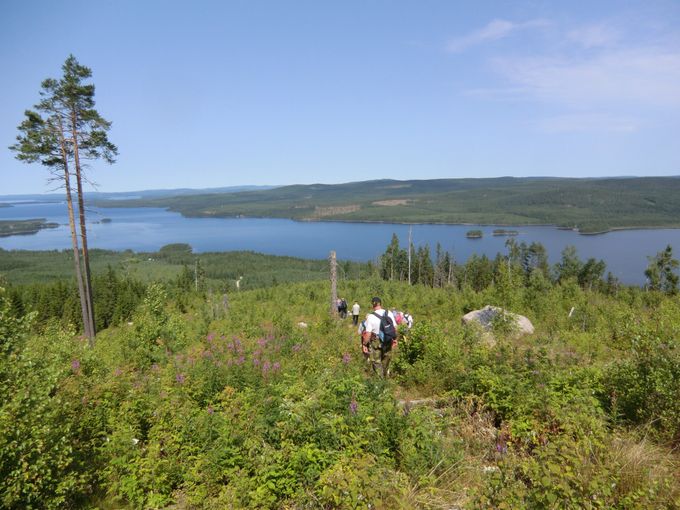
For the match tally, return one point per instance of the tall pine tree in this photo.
(63, 133)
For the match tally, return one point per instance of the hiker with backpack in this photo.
(379, 337)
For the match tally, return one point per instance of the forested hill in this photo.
(589, 205)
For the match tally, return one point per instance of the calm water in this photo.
(147, 229)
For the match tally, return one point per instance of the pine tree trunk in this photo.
(83, 231)
(74, 238)
(76, 257)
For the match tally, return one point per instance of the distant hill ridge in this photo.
(589, 205)
(117, 195)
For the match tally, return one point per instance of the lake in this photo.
(147, 229)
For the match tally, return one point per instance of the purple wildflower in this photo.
(353, 405)
(346, 358)
(262, 342)
(179, 378)
(210, 337)
(297, 347)
(118, 372)
(276, 367)
(75, 365)
(256, 361)
(241, 360)
(210, 410)
(266, 367)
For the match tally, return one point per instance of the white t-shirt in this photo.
(373, 322)
(355, 309)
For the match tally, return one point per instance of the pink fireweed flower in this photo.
(179, 378)
(353, 405)
(210, 337)
(75, 365)
(276, 367)
(256, 362)
(346, 358)
(297, 347)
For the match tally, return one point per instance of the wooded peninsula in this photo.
(587, 205)
(24, 227)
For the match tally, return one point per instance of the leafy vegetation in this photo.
(194, 402)
(589, 205)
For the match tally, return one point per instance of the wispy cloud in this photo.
(598, 77)
(494, 30)
(643, 76)
(595, 35)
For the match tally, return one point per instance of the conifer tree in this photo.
(63, 133)
(661, 272)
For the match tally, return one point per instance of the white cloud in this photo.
(645, 76)
(494, 30)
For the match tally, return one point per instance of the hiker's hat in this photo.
(376, 301)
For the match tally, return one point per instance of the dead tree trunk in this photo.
(334, 285)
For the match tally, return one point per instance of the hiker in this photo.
(379, 336)
(342, 307)
(355, 313)
(364, 347)
(408, 318)
(403, 318)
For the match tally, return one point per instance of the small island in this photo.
(24, 227)
(474, 234)
(504, 232)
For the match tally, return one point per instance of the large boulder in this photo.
(488, 315)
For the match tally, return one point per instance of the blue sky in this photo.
(223, 93)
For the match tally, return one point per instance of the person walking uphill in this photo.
(379, 336)
(355, 313)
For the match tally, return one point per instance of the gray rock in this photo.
(486, 316)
